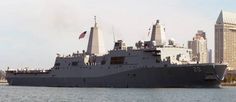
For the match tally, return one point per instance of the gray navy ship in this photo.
(150, 64)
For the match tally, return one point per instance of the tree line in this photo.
(230, 78)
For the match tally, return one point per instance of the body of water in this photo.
(55, 94)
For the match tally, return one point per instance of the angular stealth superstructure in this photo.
(158, 33)
(95, 44)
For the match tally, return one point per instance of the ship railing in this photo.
(74, 55)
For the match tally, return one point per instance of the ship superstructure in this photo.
(149, 64)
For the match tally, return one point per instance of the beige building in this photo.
(199, 47)
(225, 39)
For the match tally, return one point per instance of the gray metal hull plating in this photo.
(185, 76)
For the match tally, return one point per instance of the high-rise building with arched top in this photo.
(225, 39)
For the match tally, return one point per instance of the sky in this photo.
(32, 32)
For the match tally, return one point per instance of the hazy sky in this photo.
(33, 31)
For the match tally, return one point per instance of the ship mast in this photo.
(158, 33)
(95, 44)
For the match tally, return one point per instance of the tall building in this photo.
(199, 47)
(210, 56)
(158, 33)
(225, 39)
(95, 44)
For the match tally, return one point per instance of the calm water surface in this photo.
(55, 94)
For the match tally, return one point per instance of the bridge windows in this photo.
(117, 60)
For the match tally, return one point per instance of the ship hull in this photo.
(182, 76)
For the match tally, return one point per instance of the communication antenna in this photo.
(149, 31)
(95, 20)
(114, 38)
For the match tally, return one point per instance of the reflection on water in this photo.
(55, 94)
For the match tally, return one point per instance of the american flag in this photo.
(82, 35)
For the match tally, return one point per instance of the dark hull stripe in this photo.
(139, 78)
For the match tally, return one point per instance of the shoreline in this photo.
(228, 84)
(3, 81)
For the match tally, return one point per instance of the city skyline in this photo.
(32, 32)
(199, 47)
